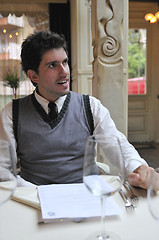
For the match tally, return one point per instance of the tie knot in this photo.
(53, 110)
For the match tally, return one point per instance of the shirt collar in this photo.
(44, 102)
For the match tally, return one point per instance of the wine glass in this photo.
(103, 173)
(153, 194)
(8, 172)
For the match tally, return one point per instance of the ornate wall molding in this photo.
(109, 53)
(109, 82)
(108, 39)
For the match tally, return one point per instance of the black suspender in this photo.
(15, 115)
(88, 112)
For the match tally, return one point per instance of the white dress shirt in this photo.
(102, 124)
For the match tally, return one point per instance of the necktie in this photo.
(53, 110)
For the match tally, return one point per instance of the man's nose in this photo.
(63, 68)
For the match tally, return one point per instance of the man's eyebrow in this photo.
(55, 62)
(52, 62)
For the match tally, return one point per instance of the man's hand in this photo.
(140, 177)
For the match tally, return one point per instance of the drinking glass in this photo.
(153, 194)
(103, 174)
(8, 172)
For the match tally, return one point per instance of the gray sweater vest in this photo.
(52, 151)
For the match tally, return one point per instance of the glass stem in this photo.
(103, 233)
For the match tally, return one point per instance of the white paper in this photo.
(72, 201)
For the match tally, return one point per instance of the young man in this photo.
(51, 150)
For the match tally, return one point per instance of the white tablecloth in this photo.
(20, 222)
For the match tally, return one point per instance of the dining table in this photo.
(20, 219)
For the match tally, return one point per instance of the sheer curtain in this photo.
(17, 21)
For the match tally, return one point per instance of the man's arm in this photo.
(6, 133)
(6, 127)
(137, 170)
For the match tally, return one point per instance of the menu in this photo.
(73, 201)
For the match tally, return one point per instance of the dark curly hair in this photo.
(35, 45)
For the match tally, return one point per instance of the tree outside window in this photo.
(137, 61)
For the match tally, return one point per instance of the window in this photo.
(137, 62)
(16, 23)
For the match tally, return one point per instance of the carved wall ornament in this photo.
(109, 43)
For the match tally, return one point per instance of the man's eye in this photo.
(52, 65)
(65, 62)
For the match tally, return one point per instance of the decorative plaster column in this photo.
(109, 38)
(81, 47)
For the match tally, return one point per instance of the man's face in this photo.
(54, 74)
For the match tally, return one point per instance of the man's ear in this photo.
(32, 75)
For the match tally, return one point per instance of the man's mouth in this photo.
(62, 82)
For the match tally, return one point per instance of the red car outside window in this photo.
(136, 85)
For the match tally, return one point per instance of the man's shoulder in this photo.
(93, 100)
(25, 97)
(7, 109)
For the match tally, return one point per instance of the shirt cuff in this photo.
(23, 183)
(133, 164)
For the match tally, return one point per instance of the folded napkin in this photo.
(27, 195)
(8, 185)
